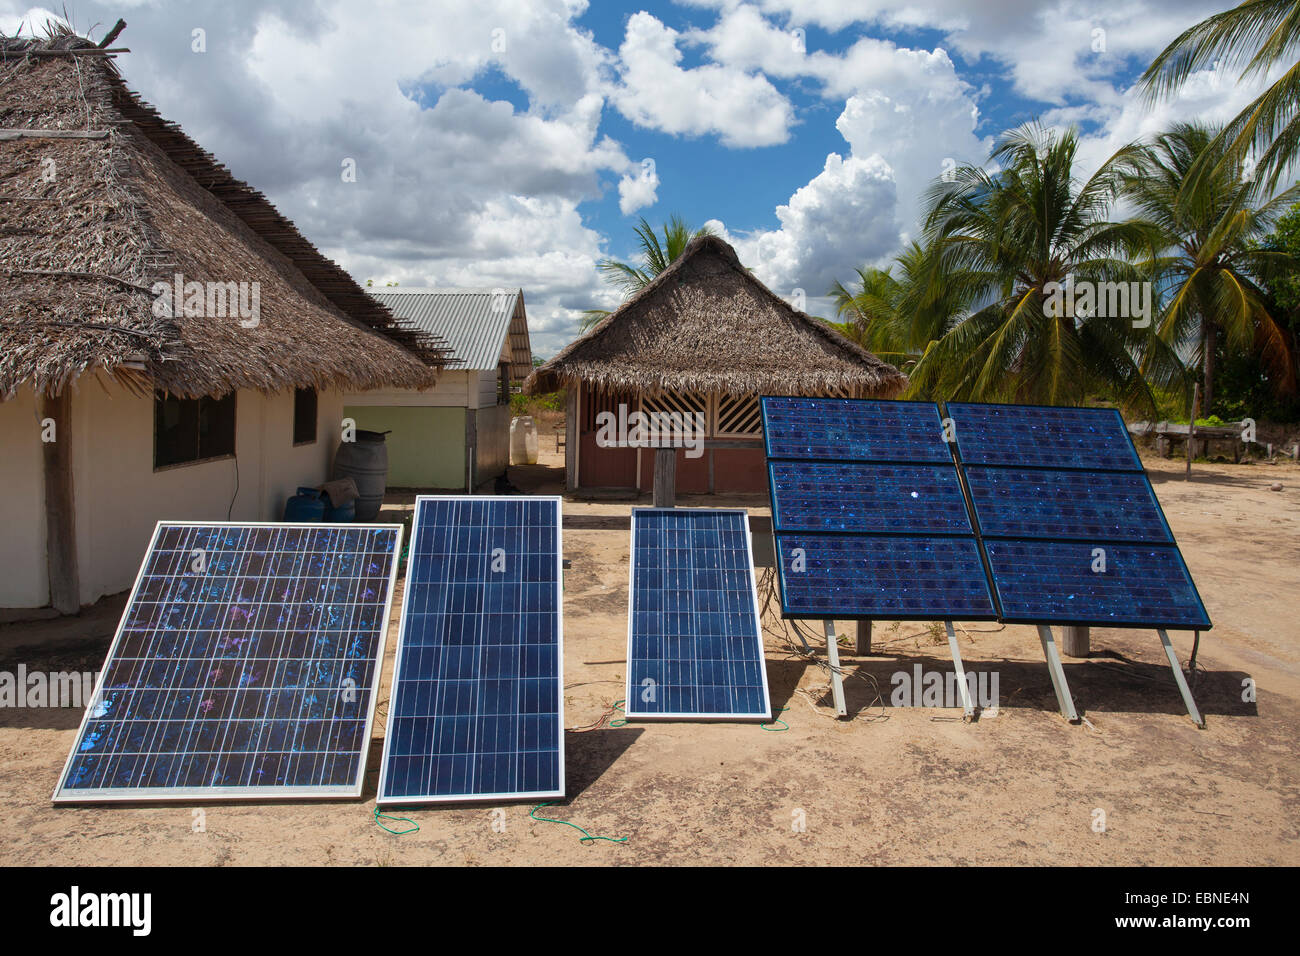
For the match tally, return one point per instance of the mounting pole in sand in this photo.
(1181, 681)
(963, 688)
(833, 658)
(1063, 699)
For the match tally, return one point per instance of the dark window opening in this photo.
(304, 416)
(192, 429)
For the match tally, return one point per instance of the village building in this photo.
(456, 435)
(171, 347)
(698, 345)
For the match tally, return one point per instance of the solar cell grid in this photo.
(867, 498)
(1030, 436)
(894, 578)
(1088, 505)
(845, 429)
(694, 646)
(1056, 582)
(244, 666)
(476, 710)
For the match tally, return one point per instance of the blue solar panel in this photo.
(1053, 582)
(848, 429)
(477, 707)
(694, 645)
(245, 665)
(895, 578)
(1030, 436)
(861, 497)
(1088, 505)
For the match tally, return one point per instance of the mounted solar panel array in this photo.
(245, 666)
(872, 515)
(868, 513)
(695, 650)
(476, 710)
(1069, 520)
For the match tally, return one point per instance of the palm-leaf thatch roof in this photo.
(100, 198)
(705, 324)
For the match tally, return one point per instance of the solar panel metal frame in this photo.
(758, 636)
(1138, 469)
(418, 800)
(159, 794)
(973, 534)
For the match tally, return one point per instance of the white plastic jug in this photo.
(523, 440)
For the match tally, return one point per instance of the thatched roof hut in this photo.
(699, 344)
(705, 324)
(101, 198)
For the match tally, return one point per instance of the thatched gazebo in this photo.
(704, 339)
(151, 405)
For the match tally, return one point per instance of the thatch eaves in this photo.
(705, 324)
(100, 199)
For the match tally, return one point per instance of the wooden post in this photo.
(864, 638)
(571, 437)
(1075, 641)
(665, 494)
(60, 507)
(1191, 430)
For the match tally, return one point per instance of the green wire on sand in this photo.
(585, 838)
(770, 725)
(380, 817)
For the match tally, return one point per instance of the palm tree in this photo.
(656, 256)
(1207, 235)
(1013, 239)
(1255, 35)
(898, 317)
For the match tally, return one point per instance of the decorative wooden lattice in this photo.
(737, 417)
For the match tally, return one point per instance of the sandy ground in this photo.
(894, 785)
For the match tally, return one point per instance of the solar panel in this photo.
(1058, 582)
(1086, 505)
(245, 666)
(1035, 436)
(867, 498)
(694, 645)
(477, 705)
(877, 576)
(849, 429)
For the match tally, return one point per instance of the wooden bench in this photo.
(1169, 434)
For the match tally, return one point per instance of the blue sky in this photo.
(505, 142)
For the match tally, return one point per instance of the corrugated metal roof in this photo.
(474, 322)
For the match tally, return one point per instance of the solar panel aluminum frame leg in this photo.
(963, 688)
(1180, 680)
(833, 657)
(1054, 668)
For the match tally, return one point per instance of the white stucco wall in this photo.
(23, 578)
(119, 495)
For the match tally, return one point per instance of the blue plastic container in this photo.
(343, 514)
(306, 505)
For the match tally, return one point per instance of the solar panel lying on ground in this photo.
(1070, 523)
(245, 665)
(694, 645)
(869, 514)
(476, 710)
